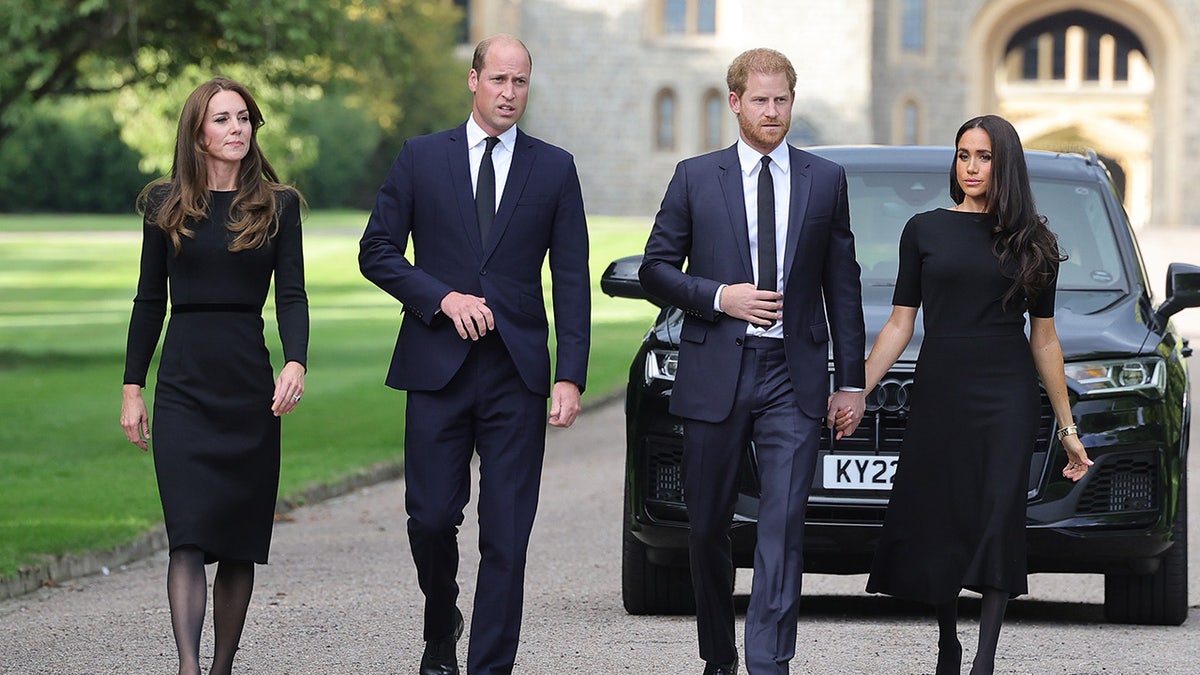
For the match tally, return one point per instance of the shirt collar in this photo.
(748, 157)
(476, 134)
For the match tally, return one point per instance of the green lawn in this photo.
(70, 482)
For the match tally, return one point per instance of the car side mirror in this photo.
(620, 280)
(1183, 290)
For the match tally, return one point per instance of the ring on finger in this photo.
(295, 397)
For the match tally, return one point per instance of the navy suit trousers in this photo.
(486, 409)
(785, 440)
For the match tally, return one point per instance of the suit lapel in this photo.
(801, 184)
(735, 203)
(514, 186)
(457, 156)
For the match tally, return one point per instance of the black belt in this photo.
(190, 308)
(760, 342)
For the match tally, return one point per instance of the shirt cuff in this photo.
(854, 389)
(717, 298)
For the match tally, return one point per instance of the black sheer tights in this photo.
(991, 619)
(187, 593)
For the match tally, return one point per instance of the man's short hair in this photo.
(481, 50)
(761, 60)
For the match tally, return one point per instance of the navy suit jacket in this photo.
(428, 196)
(703, 220)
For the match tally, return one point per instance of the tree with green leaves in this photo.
(391, 59)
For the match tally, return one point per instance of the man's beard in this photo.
(764, 137)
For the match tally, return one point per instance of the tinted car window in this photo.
(1077, 215)
(881, 203)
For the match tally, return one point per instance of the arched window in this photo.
(675, 17)
(912, 25)
(688, 17)
(1076, 46)
(664, 120)
(714, 117)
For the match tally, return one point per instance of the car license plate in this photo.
(859, 472)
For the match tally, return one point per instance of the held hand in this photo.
(134, 418)
(564, 404)
(841, 421)
(470, 314)
(289, 387)
(845, 411)
(1077, 459)
(746, 302)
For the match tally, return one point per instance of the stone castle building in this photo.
(633, 86)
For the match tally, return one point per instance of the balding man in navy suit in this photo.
(483, 205)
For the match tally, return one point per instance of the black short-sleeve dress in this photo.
(215, 439)
(956, 517)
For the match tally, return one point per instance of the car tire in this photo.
(1161, 598)
(648, 588)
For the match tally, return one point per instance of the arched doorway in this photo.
(1073, 75)
(1077, 80)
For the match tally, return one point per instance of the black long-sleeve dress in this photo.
(215, 439)
(956, 517)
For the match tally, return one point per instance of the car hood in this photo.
(1090, 324)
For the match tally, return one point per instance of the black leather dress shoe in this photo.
(441, 656)
(721, 668)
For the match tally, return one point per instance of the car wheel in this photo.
(648, 588)
(1156, 599)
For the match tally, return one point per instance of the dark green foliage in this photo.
(389, 64)
(69, 158)
(345, 137)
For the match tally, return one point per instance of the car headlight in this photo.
(661, 365)
(1146, 376)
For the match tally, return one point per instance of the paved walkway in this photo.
(340, 595)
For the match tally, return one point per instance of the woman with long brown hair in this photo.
(956, 518)
(215, 233)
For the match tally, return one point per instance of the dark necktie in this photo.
(766, 227)
(485, 190)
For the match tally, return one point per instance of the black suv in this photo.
(1129, 390)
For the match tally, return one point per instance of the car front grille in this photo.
(664, 469)
(844, 514)
(1125, 483)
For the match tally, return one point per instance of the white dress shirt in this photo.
(502, 154)
(750, 161)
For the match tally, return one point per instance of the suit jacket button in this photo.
(483, 272)
(738, 342)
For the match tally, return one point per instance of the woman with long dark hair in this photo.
(215, 234)
(956, 518)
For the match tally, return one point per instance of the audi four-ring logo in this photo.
(891, 395)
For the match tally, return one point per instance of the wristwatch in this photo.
(1069, 430)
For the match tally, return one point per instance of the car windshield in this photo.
(882, 202)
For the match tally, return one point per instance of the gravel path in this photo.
(340, 596)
